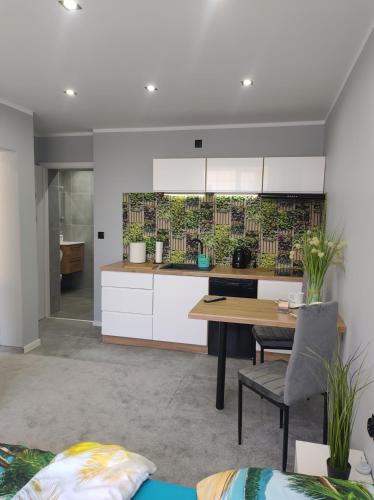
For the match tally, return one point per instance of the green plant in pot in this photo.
(134, 237)
(318, 251)
(344, 386)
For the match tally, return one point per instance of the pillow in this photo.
(89, 471)
(268, 484)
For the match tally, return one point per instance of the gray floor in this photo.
(76, 304)
(158, 403)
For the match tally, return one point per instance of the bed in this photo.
(19, 464)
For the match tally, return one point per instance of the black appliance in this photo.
(240, 258)
(239, 338)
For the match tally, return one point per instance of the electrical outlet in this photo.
(371, 426)
(198, 143)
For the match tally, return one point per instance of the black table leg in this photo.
(221, 367)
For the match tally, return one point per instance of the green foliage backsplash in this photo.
(267, 227)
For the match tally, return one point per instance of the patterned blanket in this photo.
(18, 465)
(268, 484)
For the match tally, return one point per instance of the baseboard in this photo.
(31, 346)
(11, 349)
(156, 344)
(97, 323)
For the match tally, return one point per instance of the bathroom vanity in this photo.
(72, 258)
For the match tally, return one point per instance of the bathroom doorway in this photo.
(70, 211)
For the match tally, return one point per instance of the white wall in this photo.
(123, 163)
(350, 188)
(17, 134)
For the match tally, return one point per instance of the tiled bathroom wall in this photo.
(76, 218)
(54, 240)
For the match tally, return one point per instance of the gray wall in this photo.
(17, 134)
(64, 149)
(350, 187)
(123, 163)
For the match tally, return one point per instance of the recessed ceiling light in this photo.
(70, 4)
(151, 88)
(247, 82)
(70, 92)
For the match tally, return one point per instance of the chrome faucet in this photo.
(199, 242)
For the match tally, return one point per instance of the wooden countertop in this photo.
(247, 312)
(127, 267)
(216, 272)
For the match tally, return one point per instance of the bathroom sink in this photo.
(185, 267)
(71, 242)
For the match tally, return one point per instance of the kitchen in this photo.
(144, 303)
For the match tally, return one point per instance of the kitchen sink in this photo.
(185, 267)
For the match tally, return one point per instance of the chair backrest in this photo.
(316, 338)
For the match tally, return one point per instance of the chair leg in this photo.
(285, 438)
(281, 418)
(325, 418)
(262, 354)
(240, 412)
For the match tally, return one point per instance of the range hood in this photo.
(294, 196)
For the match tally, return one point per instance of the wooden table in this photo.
(243, 311)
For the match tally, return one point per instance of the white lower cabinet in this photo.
(127, 300)
(275, 290)
(135, 326)
(174, 297)
(127, 304)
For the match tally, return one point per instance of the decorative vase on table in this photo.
(318, 252)
(314, 293)
(337, 473)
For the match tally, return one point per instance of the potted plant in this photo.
(318, 252)
(134, 237)
(343, 389)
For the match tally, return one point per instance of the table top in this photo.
(247, 312)
(310, 459)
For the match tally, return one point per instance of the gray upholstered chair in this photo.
(285, 384)
(272, 337)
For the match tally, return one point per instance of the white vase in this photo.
(137, 252)
(159, 250)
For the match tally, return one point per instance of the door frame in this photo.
(44, 244)
(86, 165)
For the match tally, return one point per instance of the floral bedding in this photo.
(18, 465)
(268, 484)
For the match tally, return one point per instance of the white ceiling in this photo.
(298, 52)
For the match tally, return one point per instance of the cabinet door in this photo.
(294, 175)
(234, 175)
(174, 297)
(127, 280)
(181, 175)
(126, 300)
(135, 326)
(275, 290)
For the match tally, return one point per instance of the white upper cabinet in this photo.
(304, 174)
(234, 175)
(180, 175)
